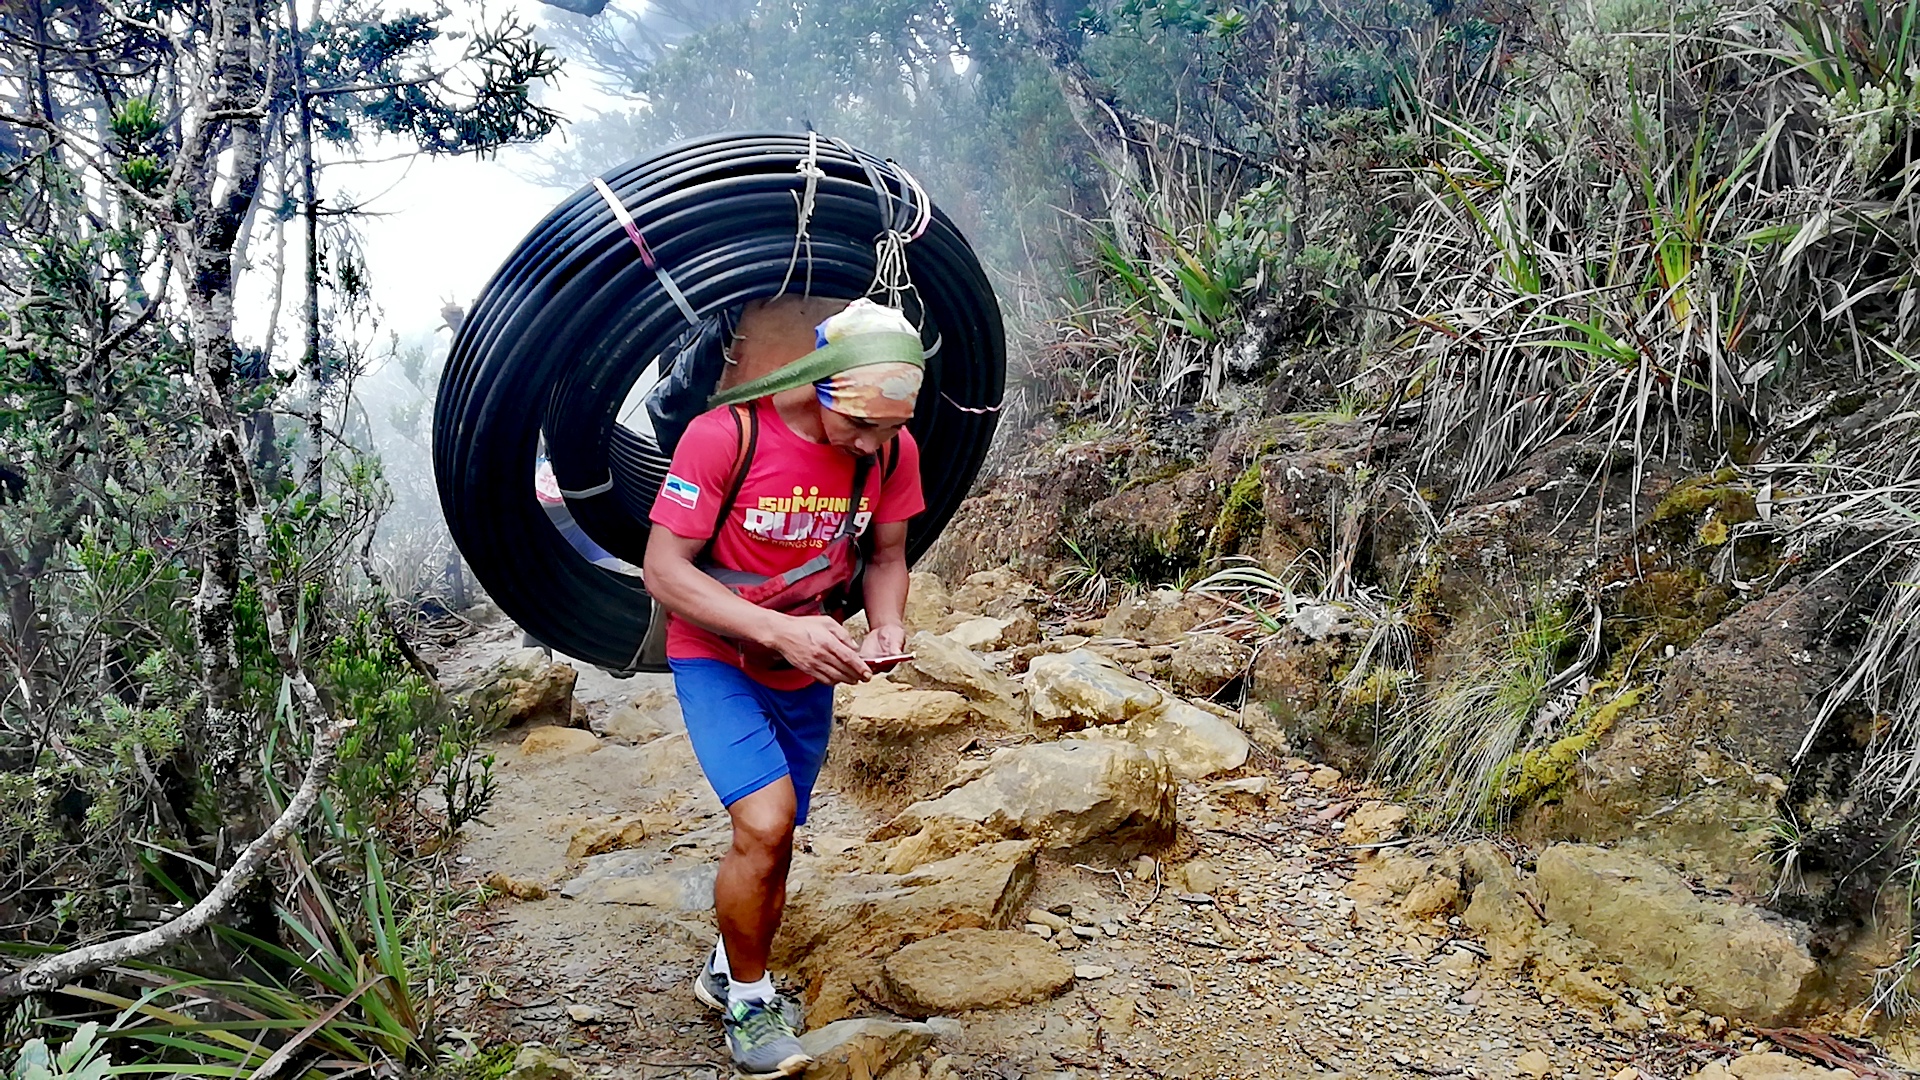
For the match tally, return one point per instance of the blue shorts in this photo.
(747, 735)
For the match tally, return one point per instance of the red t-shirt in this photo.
(791, 503)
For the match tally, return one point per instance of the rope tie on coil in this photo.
(803, 210)
(646, 253)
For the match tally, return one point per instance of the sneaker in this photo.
(711, 988)
(762, 1042)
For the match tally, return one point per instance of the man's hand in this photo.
(884, 641)
(820, 647)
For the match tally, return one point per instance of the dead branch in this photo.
(53, 972)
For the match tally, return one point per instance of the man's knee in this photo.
(763, 828)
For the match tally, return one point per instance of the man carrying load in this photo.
(759, 532)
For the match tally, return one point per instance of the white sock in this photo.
(761, 990)
(720, 959)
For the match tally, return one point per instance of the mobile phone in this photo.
(888, 663)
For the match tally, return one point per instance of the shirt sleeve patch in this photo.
(684, 492)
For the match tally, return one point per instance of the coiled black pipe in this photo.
(573, 319)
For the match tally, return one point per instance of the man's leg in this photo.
(750, 890)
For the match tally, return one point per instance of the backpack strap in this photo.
(746, 433)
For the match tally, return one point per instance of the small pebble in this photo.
(1091, 971)
(1041, 931)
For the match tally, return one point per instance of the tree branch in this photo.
(49, 974)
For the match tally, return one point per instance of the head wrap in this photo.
(867, 363)
(885, 391)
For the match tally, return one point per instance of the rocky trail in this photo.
(1031, 861)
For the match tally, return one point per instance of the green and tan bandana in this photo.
(868, 363)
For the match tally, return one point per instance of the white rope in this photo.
(803, 206)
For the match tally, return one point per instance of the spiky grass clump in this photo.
(1650, 250)
(1861, 496)
(1447, 749)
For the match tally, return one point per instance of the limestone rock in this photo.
(1197, 744)
(981, 633)
(1069, 691)
(647, 715)
(536, 1062)
(666, 884)
(973, 969)
(896, 744)
(616, 832)
(1064, 794)
(940, 663)
(1159, 617)
(937, 840)
(927, 600)
(1769, 1067)
(1643, 917)
(1375, 823)
(999, 593)
(518, 888)
(883, 708)
(1203, 663)
(864, 1049)
(839, 926)
(557, 742)
(524, 688)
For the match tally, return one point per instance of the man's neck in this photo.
(799, 409)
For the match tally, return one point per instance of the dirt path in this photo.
(1276, 971)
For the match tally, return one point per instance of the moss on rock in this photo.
(1543, 773)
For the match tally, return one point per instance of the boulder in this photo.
(895, 743)
(868, 1048)
(927, 600)
(558, 742)
(999, 593)
(839, 927)
(1066, 795)
(1195, 742)
(1159, 617)
(1204, 663)
(973, 969)
(940, 663)
(524, 688)
(647, 715)
(1644, 918)
(1070, 691)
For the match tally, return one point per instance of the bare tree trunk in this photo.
(1114, 145)
(231, 121)
(310, 361)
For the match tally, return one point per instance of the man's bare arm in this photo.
(886, 591)
(815, 644)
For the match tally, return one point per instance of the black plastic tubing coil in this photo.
(575, 317)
